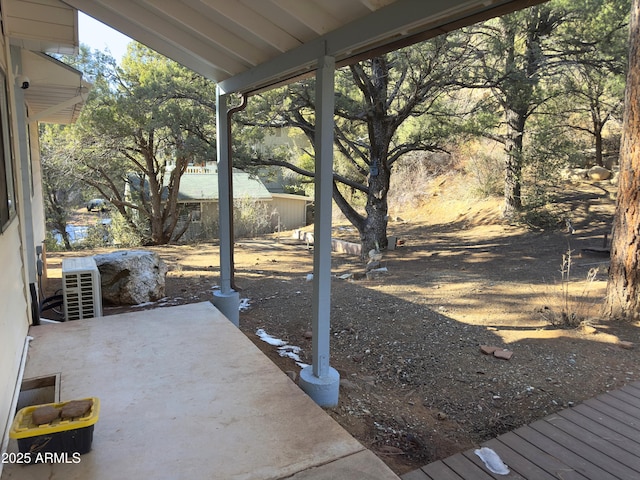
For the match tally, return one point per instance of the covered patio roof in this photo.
(246, 45)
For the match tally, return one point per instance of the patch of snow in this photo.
(290, 351)
(244, 304)
(265, 337)
(284, 349)
(381, 270)
(140, 305)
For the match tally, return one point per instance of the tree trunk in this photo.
(373, 235)
(66, 240)
(58, 219)
(598, 125)
(623, 288)
(513, 164)
(598, 144)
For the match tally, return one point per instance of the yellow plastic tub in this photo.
(72, 436)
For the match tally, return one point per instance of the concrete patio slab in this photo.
(362, 465)
(185, 395)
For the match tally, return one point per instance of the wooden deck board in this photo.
(566, 456)
(466, 469)
(631, 413)
(607, 419)
(546, 462)
(472, 457)
(587, 451)
(629, 456)
(635, 391)
(418, 475)
(627, 398)
(436, 471)
(525, 466)
(604, 432)
(599, 439)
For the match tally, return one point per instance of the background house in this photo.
(276, 209)
(259, 207)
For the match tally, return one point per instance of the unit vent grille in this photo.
(81, 288)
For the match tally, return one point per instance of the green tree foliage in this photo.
(62, 187)
(531, 76)
(141, 129)
(594, 45)
(385, 107)
(561, 59)
(512, 64)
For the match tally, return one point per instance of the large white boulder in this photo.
(599, 173)
(131, 277)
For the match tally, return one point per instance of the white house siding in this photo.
(37, 199)
(13, 318)
(50, 23)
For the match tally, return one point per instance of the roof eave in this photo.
(56, 92)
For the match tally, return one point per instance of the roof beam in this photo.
(168, 32)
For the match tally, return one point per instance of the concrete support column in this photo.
(320, 381)
(226, 299)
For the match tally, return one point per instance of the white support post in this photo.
(320, 381)
(226, 299)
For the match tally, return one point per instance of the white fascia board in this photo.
(296, 62)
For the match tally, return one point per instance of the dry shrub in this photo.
(251, 217)
(569, 309)
(413, 176)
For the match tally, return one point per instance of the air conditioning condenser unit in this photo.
(81, 290)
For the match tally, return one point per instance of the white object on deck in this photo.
(492, 461)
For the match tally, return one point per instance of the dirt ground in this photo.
(415, 386)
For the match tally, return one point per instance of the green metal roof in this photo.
(204, 186)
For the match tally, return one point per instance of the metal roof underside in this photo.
(249, 45)
(57, 92)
